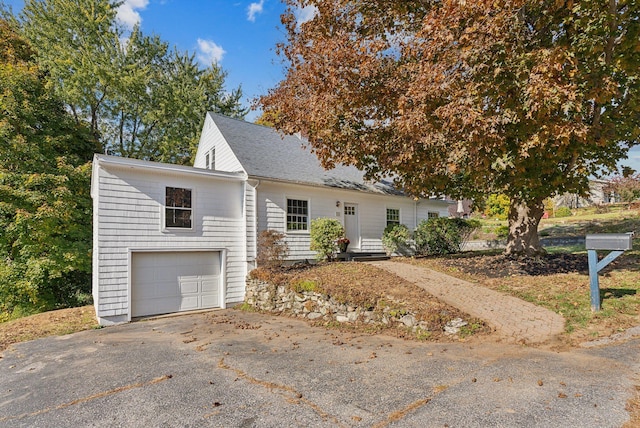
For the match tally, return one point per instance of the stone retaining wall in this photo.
(315, 306)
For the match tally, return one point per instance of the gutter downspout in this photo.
(255, 183)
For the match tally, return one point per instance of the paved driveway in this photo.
(234, 369)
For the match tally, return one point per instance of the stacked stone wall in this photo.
(314, 306)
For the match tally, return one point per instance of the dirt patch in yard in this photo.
(52, 323)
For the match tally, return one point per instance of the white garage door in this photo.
(165, 282)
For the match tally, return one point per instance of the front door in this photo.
(352, 225)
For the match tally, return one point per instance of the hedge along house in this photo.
(170, 238)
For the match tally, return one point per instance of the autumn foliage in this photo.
(466, 98)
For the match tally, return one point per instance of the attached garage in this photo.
(174, 281)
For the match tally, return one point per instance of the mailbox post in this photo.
(617, 243)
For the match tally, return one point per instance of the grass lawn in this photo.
(612, 218)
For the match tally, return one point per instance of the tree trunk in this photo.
(524, 218)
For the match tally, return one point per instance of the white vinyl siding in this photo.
(128, 203)
(426, 206)
(271, 200)
(212, 139)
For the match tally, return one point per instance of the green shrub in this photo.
(395, 239)
(443, 235)
(563, 212)
(324, 234)
(272, 249)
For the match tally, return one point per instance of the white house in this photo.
(171, 238)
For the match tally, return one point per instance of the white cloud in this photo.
(209, 52)
(305, 14)
(254, 9)
(128, 14)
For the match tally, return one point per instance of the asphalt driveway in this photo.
(234, 369)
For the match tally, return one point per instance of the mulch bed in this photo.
(500, 266)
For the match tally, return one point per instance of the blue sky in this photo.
(241, 35)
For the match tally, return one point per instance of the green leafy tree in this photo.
(525, 98)
(45, 206)
(140, 98)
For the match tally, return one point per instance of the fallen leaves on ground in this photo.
(63, 321)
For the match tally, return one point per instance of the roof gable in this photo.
(266, 154)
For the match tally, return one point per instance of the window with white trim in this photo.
(178, 209)
(210, 159)
(297, 214)
(393, 216)
(433, 214)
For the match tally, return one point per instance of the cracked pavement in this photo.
(236, 369)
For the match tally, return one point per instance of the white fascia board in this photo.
(120, 162)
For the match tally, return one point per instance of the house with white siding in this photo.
(170, 238)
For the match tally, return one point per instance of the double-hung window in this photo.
(297, 215)
(210, 159)
(178, 209)
(393, 216)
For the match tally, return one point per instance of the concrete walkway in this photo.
(513, 319)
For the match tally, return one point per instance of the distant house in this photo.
(171, 238)
(598, 195)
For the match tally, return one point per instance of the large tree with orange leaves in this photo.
(466, 98)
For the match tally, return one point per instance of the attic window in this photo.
(178, 209)
(210, 159)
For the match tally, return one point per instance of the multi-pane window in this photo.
(433, 214)
(297, 214)
(349, 210)
(178, 209)
(393, 216)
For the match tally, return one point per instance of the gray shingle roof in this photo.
(265, 153)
